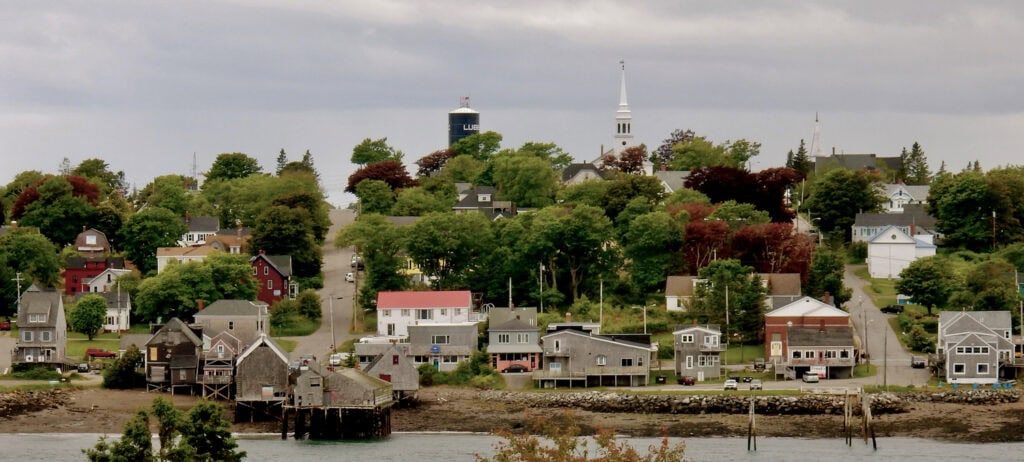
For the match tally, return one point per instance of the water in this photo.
(458, 447)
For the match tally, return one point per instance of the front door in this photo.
(391, 329)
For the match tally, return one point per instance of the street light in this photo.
(330, 303)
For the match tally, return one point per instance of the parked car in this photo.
(349, 277)
(357, 262)
(892, 309)
(811, 377)
(731, 385)
(687, 380)
(99, 353)
(515, 368)
(918, 362)
(83, 367)
(336, 359)
(5, 325)
(756, 384)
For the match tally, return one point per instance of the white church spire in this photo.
(623, 118)
(816, 138)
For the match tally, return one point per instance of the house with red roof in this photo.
(396, 311)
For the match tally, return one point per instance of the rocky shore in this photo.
(964, 415)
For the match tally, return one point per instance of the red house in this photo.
(93, 248)
(274, 273)
(810, 336)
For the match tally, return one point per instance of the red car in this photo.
(5, 325)
(99, 353)
(687, 380)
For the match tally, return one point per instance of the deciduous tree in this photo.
(732, 288)
(826, 275)
(229, 166)
(480, 146)
(145, 231)
(653, 240)
(839, 195)
(88, 315)
(391, 172)
(631, 160)
(375, 197)
(433, 163)
(372, 151)
(928, 281)
(283, 230)
(380, 243)
(526, 181)
(28, 252)
(447, 245)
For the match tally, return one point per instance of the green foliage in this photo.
(35, 373)
(62, 206)
(480, 146)
(417, 201)
(28, 252)
(525, 180)
(448, 246)
(857, 252)
(739, 215)
(590, 193)
(375, 196)
(745, 303)
(309, 304)
(919, 340)
(476, 372)
(463, 169)
(88, 315)
(373, 151)
(686, 196)
(560, 441)
(229, 166)
(928, 281)
(700, 152)
(651, 242)
(380, 243)
(838, 196)
(124, 372)
(175, 291)
(989, 286)
(917, 166)
(146, 231)
(169, 192)
(826, 275)
(282, 230)
(962, 205)
(99, 172)
(284, 313)
(203, 434)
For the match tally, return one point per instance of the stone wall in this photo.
(600, 401)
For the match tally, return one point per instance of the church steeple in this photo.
(623, 118)
(816, 138)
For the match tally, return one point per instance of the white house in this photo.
(897, 195)
(396, 311)
(105, 281)
(165, 255)
(892, 250)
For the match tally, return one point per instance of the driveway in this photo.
(880, 341)
(336, 294)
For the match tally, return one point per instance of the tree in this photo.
(838, 196)
(389, 171)
(705, 241)
(124, 372)
(652, 241)
(700, 153)
(738, 215)
(463, 169)
(175, 292)
(480, 146)
(373, 151)
(631, 160)
(774, 248)
(88, 315)
(917, 169)
(525, 180)
(375, 197)
(99, 172)
(208, 433)
(145, 231)
(309, 304)
(31, 254)
(229, 166)
(732, 295)
(58, 206)
(282, 162)
(989, 286)
(962, 205)
(417, 201)
(433, 163)
(826, 276)
(135, 444)
(550, 152)
(686, 195)
(447, 246)
(282, 230)
(624, 188)
(928, 281)
(573, 240)
(167, 191)
(590, 193)
(664, 153)
(801, 162)
(380, 243)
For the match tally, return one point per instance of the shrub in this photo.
(124, 371)
(857, 252)
(309, 304)
(283, 313)
(36, 373)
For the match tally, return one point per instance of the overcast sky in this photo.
(144, 85)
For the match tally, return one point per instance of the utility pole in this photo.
(17, 279)
(885, 362)
(540, 283)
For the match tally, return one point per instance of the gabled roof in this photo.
(573, 169)
(597, 338)
(201, 251)
(243, 231)
(952, 323)
(39, 301)
(866, 162)
(808, 306)
(916, 192)
(80, 262)
(674, 179)
(424, 299)
(114, 299)
(176, 324)
(781, 283)
(680, 286)
(263, 341)
(281, 263)
(707, 328)
(202, 224)
(234, 308)
(891, 235)
(514, 325)
(913, 214)
(471, 201)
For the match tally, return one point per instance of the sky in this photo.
(148, 86)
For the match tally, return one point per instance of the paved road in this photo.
(880, 341)
(336, 292)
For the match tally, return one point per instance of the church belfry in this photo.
(623, 118)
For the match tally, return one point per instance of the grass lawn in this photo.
(865, 370)
(745, 354)
(287, 345)
(77, 343)
(300, 327)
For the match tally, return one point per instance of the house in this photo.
(481, 199)
(514, 345)
(274, 275)
(672, 180)
(972, 346)
(230, 241)
(218, 368)
(501, 314)
(92, 243)
(780, 288)
(261, 373)
(165, 255)
(913, 221)
(80, 271)
(42, 328)
(199, 229)
(892, 250)
(444, 345)
(862, 162)
(395, 365)
(898, 195)
(575, 358)
(172, 357)
(697, 352)
(119, 309)
(578, 173)
(106, 281)
(314, 385)
(244, 319)
(809, 335)
(396, 311)
(593, 328)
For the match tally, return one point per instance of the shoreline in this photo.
(448, 410)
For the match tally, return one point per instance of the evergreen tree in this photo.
(901, 171)
(917, 170)
(789, 159)
(282, 160)
(801, 162)
(942, 169)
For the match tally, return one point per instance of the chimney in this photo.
(200, 302)
(664, 167)
(188, 218)
(263, 252)
(827, 298)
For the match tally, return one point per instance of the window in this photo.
(503, 338)
(39, 317)
(420, 359)
(686, 338)
(983, 368)
(797, 354)
(627, 362)
(183, 374)
(439, 339)
(386, 313)
(394, 359)
(153, 355)
(809, 354)
(220, 348)
(458, 312)
(90, 239)
(830, 354)
(602, 360)
(26, 335)
(424, 314)
(522, 338)
(405, 313)
(702, 361)
(689, 362)
(844, 354)
(45, 336)
(266, 270)
(231, 325)
(640, 361)
(270, 283)
(711, 340)
(254, 271)
(959, 369)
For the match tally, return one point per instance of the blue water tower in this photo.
(462, 122)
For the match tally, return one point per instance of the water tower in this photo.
(462, 122)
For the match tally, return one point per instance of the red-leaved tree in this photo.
(773, 248)
(391, 172)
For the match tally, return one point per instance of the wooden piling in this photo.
(752, 428)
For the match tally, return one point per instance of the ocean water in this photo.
(458, 447)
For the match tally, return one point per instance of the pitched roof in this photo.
(114, 299)
(782, 283)
(424, 299)
(680, 286)
(281, 263)
(807, 306)
(709, 328)
(917, 192)
(39, 301)
(178, 325)
(913, 214)
(514, 325)
(868, 162)
(573, 169)
(263, 341)
(234, 308)
(812, 336)
(597, 338)
(201, 224)
(891, 235)
(472, 199)
(674, 179)
(200, 251)
(80, 262)
(243, 231)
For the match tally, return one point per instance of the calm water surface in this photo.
(458, 447)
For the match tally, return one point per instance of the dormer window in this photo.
(483, 197)
(36, 318)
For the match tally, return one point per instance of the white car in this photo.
(731, 385)
(811, 377)
(337, 359)
(349, 277)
